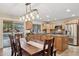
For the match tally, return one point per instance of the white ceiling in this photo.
(46, 10)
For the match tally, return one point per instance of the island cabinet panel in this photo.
(65, 43)
(61, 43)
(58, 43)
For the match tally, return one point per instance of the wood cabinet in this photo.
(47, 27)
(61, 43)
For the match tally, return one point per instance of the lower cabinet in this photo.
(61, 43)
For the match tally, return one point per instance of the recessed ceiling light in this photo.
(73, 15)
(68, 10)
(40, 18)
(48, 16)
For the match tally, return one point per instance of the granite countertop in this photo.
(62, 35)
(51, 34)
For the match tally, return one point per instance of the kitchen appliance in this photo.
(59, 30)
(72, 32)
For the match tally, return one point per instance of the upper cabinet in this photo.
(71, 21)
(47, 27)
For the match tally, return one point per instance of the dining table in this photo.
(31, 47)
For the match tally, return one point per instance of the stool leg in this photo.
(44, 48)
(51, 51)
(55, 53)
(12, 53)
(49, 48)
(15, 53)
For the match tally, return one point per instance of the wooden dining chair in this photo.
(48, 48)
(53, 50)
(12, 43)
(18, 45)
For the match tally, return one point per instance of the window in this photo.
(36, 28)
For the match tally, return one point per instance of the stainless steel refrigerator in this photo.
(72, 32)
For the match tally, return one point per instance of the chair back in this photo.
(18, 45)
(12, 42)
(52, 45)
(48, 47)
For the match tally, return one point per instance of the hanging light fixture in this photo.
(31, 14)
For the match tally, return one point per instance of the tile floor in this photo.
(71, 51)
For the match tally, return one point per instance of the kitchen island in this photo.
(61, 41)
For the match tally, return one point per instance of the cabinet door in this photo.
(58, 44)
(65, 43)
